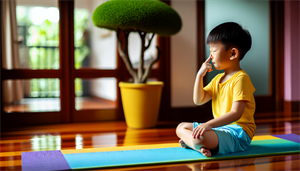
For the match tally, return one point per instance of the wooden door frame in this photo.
(65, 49)
(1, 83)
(277, 52)
(67, 74)
(66, 52)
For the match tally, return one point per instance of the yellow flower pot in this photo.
(141, 103)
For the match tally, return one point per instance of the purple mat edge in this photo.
(44, 160)
(290, 137)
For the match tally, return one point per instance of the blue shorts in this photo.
(232, 138)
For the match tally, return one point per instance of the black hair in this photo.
(231, 34)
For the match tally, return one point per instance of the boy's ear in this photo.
(234, 53)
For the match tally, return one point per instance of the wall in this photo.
(291, 51)
(103, 52)
(253, 16)
(48, 3)
(184, 55)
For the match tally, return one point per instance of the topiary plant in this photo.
(147, 17)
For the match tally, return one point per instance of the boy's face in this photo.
(220, 57)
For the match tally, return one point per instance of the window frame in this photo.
(67, 74)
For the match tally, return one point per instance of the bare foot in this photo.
(182, 144)
(206, 152)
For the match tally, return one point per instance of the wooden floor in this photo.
(110, 134)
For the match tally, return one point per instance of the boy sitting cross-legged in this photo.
(231, 92)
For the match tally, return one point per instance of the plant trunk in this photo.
(143, 73)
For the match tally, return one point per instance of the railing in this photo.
(44, 88)
(44, 56)
(41, 57)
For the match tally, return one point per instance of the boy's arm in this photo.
(235, 114)
(200, 96)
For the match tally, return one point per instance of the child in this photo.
(233, 105)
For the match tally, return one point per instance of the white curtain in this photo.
(12, 90)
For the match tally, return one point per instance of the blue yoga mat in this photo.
(150, 155)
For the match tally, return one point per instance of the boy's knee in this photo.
(180, 127)
(208, 140)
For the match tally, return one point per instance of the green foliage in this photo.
(81, 36)
(48, 87)
(151, 16)
(46, 34)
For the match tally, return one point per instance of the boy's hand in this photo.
(206, 66)
(200, 129)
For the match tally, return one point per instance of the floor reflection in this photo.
(78, 141)
(45, 142)
(280, 126)
(230, 164)
(104, 140)
(289, 127)
(139, 136)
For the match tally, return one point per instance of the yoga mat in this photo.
(150, 154)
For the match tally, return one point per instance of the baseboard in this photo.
(264, 104)
(291, 108)
(265, 108)
(191, 114)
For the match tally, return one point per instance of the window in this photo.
(71, 67)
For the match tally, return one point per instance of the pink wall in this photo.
(291, 51)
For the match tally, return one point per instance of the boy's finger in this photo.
(195, 130)
(201, 133)
(196, 133)
(193, 134)
(208, 59)
(209, 68)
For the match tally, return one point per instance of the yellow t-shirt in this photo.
(237, 87)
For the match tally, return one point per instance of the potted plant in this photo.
(140, 99)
